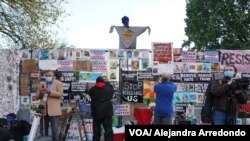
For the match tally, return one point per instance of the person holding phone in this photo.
(50, 94)
(228, 96)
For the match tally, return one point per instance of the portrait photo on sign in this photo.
(155, 70)
(129, 54)
(112, 75)
(178, 67)
(120, 53)
(185, 67)
(136, 54)
(112, 53)
(135, 64)
(113, 65)
(215, 67)
(144, 64)
(200, 97)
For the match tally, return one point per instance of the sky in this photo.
(90, 20)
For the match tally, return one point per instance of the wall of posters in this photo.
(132, 72)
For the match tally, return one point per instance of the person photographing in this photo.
(228, 96)
(101, 108)
(50, 94)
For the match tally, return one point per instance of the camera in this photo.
(43, 79)
(243, 83)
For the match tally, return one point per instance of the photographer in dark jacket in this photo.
(228, 96)
(102, 109)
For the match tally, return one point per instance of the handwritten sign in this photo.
(122, 109)
(132, 91)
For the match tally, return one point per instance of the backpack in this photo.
(207, 104)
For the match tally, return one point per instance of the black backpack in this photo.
(207, 105)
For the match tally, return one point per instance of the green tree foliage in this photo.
(217, 24)
(28, 22)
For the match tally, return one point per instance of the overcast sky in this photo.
(90, 21)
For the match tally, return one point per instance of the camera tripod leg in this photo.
(77, 115)
(65, 127)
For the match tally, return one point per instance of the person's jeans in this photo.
(107, 125)
(159, 120)
(219, 117)
(54, 127)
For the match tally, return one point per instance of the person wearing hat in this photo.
(102, 109)
(163, 111)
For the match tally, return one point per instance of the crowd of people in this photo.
(228, 96)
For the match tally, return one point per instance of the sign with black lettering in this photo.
(204, 77)
(122, 109)
(132, 91)
(238, 58)
(188, 77)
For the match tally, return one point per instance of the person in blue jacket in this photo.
(163, 112)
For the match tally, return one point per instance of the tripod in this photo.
(67, 122)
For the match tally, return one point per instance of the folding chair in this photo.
(143, 116)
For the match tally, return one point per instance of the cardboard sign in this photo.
(29, 65)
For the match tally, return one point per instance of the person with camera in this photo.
(228, 96)
(50, 94)
(101, 108)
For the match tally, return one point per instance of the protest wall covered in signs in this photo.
(132, 72)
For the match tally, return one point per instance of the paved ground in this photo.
(44, 139)
(47, 138)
